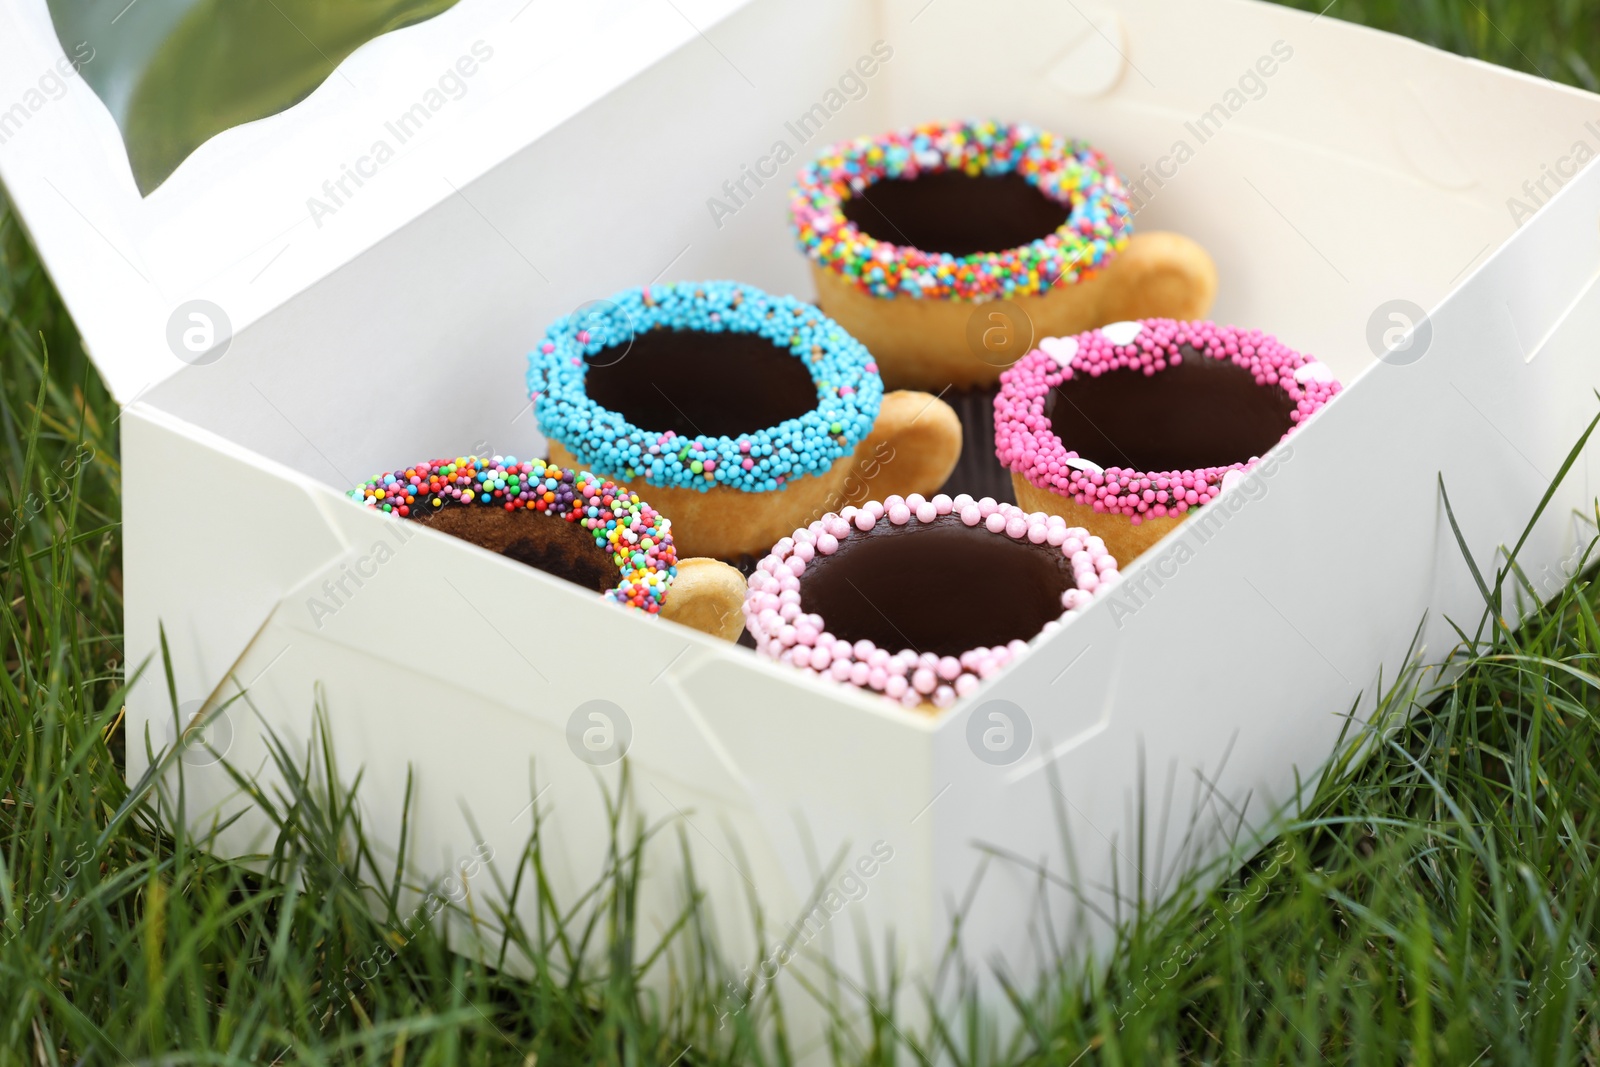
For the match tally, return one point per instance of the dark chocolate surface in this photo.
(942, 587)
(1203, 412)
(693, 382)
(978, 471)
(550, 544)
(953, 212)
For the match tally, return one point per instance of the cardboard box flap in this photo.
(261, 211)
(230, 582)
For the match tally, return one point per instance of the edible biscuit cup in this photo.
(1125, 429)
(868, 597)
(567, 523)
(741, 414)
(912, 232)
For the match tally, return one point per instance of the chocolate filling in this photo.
(978, 471)
(941, 587)
(694, 382)
(1203, 412)
(550, 544)
(954, 212)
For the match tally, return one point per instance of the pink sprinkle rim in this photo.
(776, 618)
(1026, 444)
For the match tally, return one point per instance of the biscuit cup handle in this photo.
(707, 595)
(913, 447)
(1157, 276)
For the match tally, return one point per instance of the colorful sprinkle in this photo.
(775, 615)
(849, 390)
(1025, 442)
(1070, 172)
(638, 539)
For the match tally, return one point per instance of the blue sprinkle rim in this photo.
(849, 389)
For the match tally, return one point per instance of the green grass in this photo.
(1555, 39)
(1435, 902)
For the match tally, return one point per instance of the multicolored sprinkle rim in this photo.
(849, 390)
(775, 615)
(1071, 172)
(1026, 443)
(637, 538)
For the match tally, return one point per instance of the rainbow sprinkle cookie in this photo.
(1028, 443)
(1070, 172)
(637, 540)
(847, 388)
(922, 555)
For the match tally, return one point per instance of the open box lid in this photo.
(263, 210)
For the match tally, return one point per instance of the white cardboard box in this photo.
(580, 160)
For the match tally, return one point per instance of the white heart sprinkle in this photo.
(1313, 372)
(1079, 464)
(1060, 349)
(1121, 333)
(1231, 479)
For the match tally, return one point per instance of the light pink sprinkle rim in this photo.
(783, 631)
